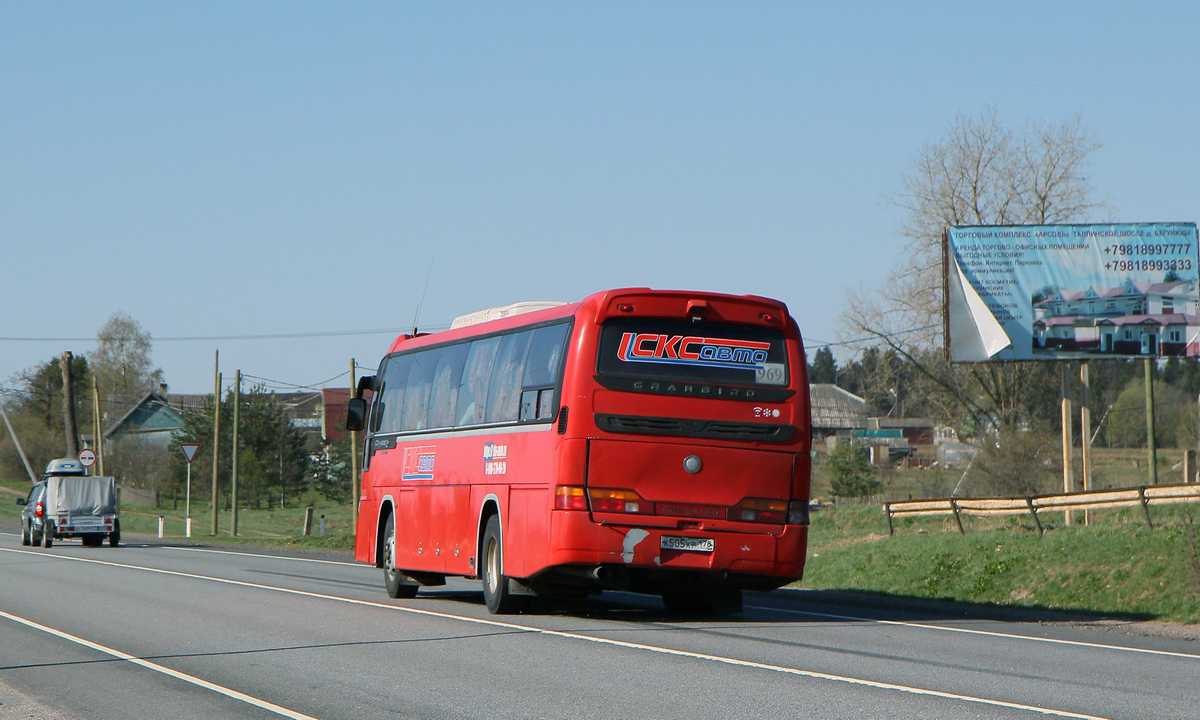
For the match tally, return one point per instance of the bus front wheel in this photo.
(393, 578)
(495, 585)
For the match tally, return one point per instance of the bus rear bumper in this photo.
(633, 557)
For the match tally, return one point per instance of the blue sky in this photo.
(220, 169)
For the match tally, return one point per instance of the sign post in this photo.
(189, 453)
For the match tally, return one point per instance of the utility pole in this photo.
(98, 432)
(216, 446)
(17, 443)
(354, 478)
(233, 487)
(72, 431)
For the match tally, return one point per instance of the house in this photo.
(916, 431)
(835, 412)
(151, 419)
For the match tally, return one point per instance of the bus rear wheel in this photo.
(495, 584)
(393, 578)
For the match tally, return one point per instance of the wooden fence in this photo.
(1145, 496)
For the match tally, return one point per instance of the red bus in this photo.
(642, 440)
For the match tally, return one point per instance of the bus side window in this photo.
(545, 356)
(505, 390)
(473, 388)
(542, 370)
(416, 394)
(443, 400)
(390, 394)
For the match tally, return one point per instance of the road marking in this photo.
(990, 633)
(260, 555)
(228, 692)
(600, 640)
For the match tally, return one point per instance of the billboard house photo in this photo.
(1071, 292)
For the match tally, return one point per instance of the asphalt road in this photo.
(153, 631)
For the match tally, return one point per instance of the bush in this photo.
(852, 473)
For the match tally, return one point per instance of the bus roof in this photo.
(666, 303)
(497, 313)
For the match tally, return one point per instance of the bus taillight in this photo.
(620, 501)
(798, 512)
(570, 497)
(760, 510)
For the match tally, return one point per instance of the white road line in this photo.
(228, 692)
(602, 641)
(989, 633)
(260, 555)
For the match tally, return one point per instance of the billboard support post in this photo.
(1068, 480)
(1085, 431)
(1151, 446)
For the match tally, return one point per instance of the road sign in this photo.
(87, 457)
(190, 450)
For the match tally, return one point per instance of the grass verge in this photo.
(1115, 566)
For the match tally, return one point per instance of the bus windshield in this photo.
(683, 351)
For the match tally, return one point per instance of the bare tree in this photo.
(121, 362)
(979, 173)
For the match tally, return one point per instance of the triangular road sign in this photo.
(190, 450)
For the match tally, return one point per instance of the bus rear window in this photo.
(680, 350)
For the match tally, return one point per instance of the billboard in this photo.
(1070, 292)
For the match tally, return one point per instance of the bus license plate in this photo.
(669, 542)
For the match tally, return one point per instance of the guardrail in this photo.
(1144, 496)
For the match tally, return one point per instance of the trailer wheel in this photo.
(495, 584)
(47, 535)
(114, 537)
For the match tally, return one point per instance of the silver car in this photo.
(33, 517)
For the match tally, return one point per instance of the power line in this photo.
(315, 387)
(204, 338)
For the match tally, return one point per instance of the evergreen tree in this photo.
(823, 368)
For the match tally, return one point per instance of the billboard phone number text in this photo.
(1129, 265)
(1149, 249)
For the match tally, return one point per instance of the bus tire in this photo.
(495, 584)
(393, 578)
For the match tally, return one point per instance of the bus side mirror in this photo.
(356, 414)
